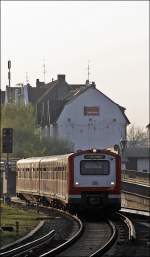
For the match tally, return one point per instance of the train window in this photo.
(97, 167)
(48, 174)
(51, 175)
(30, 174)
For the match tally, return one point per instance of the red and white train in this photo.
(81, 180)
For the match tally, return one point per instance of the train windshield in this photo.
(94, 167)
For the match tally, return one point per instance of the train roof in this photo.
(43, 158)
(63, 156)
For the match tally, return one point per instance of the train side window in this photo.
(48, 174)
(52, 175)
(30, 173)
(36, 174)
(62, 175)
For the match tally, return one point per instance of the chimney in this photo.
(37, 82)
(87, 82)
(61, 77)
(93, 84)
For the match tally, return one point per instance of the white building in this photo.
(84, 116)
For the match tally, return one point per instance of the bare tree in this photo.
(137, 137)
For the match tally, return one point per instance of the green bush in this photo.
(27, 141)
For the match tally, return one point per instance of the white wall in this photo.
(102, 131)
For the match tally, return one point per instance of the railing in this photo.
(136, 177)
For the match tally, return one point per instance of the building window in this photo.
(93, 110)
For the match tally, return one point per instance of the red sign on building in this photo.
(93, 110)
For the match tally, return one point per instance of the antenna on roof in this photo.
(88, 68)
(27, 78)
(9, 74)
(44, 69)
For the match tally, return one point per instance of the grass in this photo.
(28, 219)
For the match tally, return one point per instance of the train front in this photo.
(94, 180)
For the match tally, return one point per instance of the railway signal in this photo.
(7, 136)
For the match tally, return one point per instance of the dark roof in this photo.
(58, 99)
(73, 93)
(50, 86)
(134, 152)
(34, 93)
(77, 86)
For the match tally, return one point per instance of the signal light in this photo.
(7, 136)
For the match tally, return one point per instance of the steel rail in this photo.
(22, 240)
(66, 244)
(109, 243)
(26, 247)
(100, 251)
(132, 232)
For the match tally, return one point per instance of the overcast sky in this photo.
(112, 35)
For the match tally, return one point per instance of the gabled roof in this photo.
(71, 92)
(122, 109)
(83, 89)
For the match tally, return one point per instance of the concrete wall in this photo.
(135, 202)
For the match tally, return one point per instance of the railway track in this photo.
(22, 250)
(61, 227)
(141, 246)
(132, 240)
(96, 236)
(101, 237)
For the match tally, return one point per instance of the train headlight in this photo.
(112, 183)
(76, 183)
